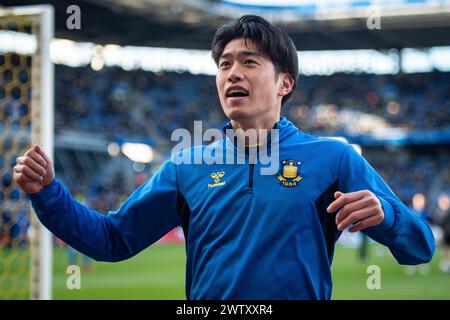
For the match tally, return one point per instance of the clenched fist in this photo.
(34, 170)
(361, 209)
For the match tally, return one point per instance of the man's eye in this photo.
(249, 61)
(224, 64)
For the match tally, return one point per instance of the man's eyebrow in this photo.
(241, 53)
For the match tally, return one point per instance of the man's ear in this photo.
(287, 83)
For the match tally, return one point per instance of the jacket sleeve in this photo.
(408, 236)
(148, 214)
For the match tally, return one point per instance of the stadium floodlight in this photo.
(113, 149)
(418, 202)
(18, 42)
(443, 202)
(138, 152)
(273, 3)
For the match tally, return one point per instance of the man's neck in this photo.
(254, 131)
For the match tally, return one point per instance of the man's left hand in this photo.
(361, 208)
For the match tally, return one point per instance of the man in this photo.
(248, 235)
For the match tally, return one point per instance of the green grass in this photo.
(159, 273)
(350, 277)
(156, 273)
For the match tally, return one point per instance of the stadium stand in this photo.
(114, 103)
(401, 121)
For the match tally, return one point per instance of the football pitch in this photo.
(158, 273)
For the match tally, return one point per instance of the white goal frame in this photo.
(42, 132)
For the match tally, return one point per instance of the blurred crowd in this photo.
(112, 103)
(349, 103)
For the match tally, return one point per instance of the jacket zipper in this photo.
(250, 177)
(252, 161)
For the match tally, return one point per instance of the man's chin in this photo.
(237, 114)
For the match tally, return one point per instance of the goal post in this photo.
(26, 118)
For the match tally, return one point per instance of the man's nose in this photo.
(235, 74)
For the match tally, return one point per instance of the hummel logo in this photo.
(217, 176)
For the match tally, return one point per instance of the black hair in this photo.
(273, 42)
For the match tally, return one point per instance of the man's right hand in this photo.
(34, 170)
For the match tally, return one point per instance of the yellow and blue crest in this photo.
(289, 175)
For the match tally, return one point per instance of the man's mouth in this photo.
(233, 93)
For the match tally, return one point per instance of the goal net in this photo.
(26, 117)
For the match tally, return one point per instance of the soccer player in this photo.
(248, 235)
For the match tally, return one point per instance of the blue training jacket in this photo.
(248, 235)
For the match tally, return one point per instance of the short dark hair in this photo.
(273, 42)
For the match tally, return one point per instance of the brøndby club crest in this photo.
(289, 175)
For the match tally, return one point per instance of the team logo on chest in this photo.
(289, 173)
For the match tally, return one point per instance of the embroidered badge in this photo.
(289, 173)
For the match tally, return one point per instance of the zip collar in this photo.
(284, 127)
